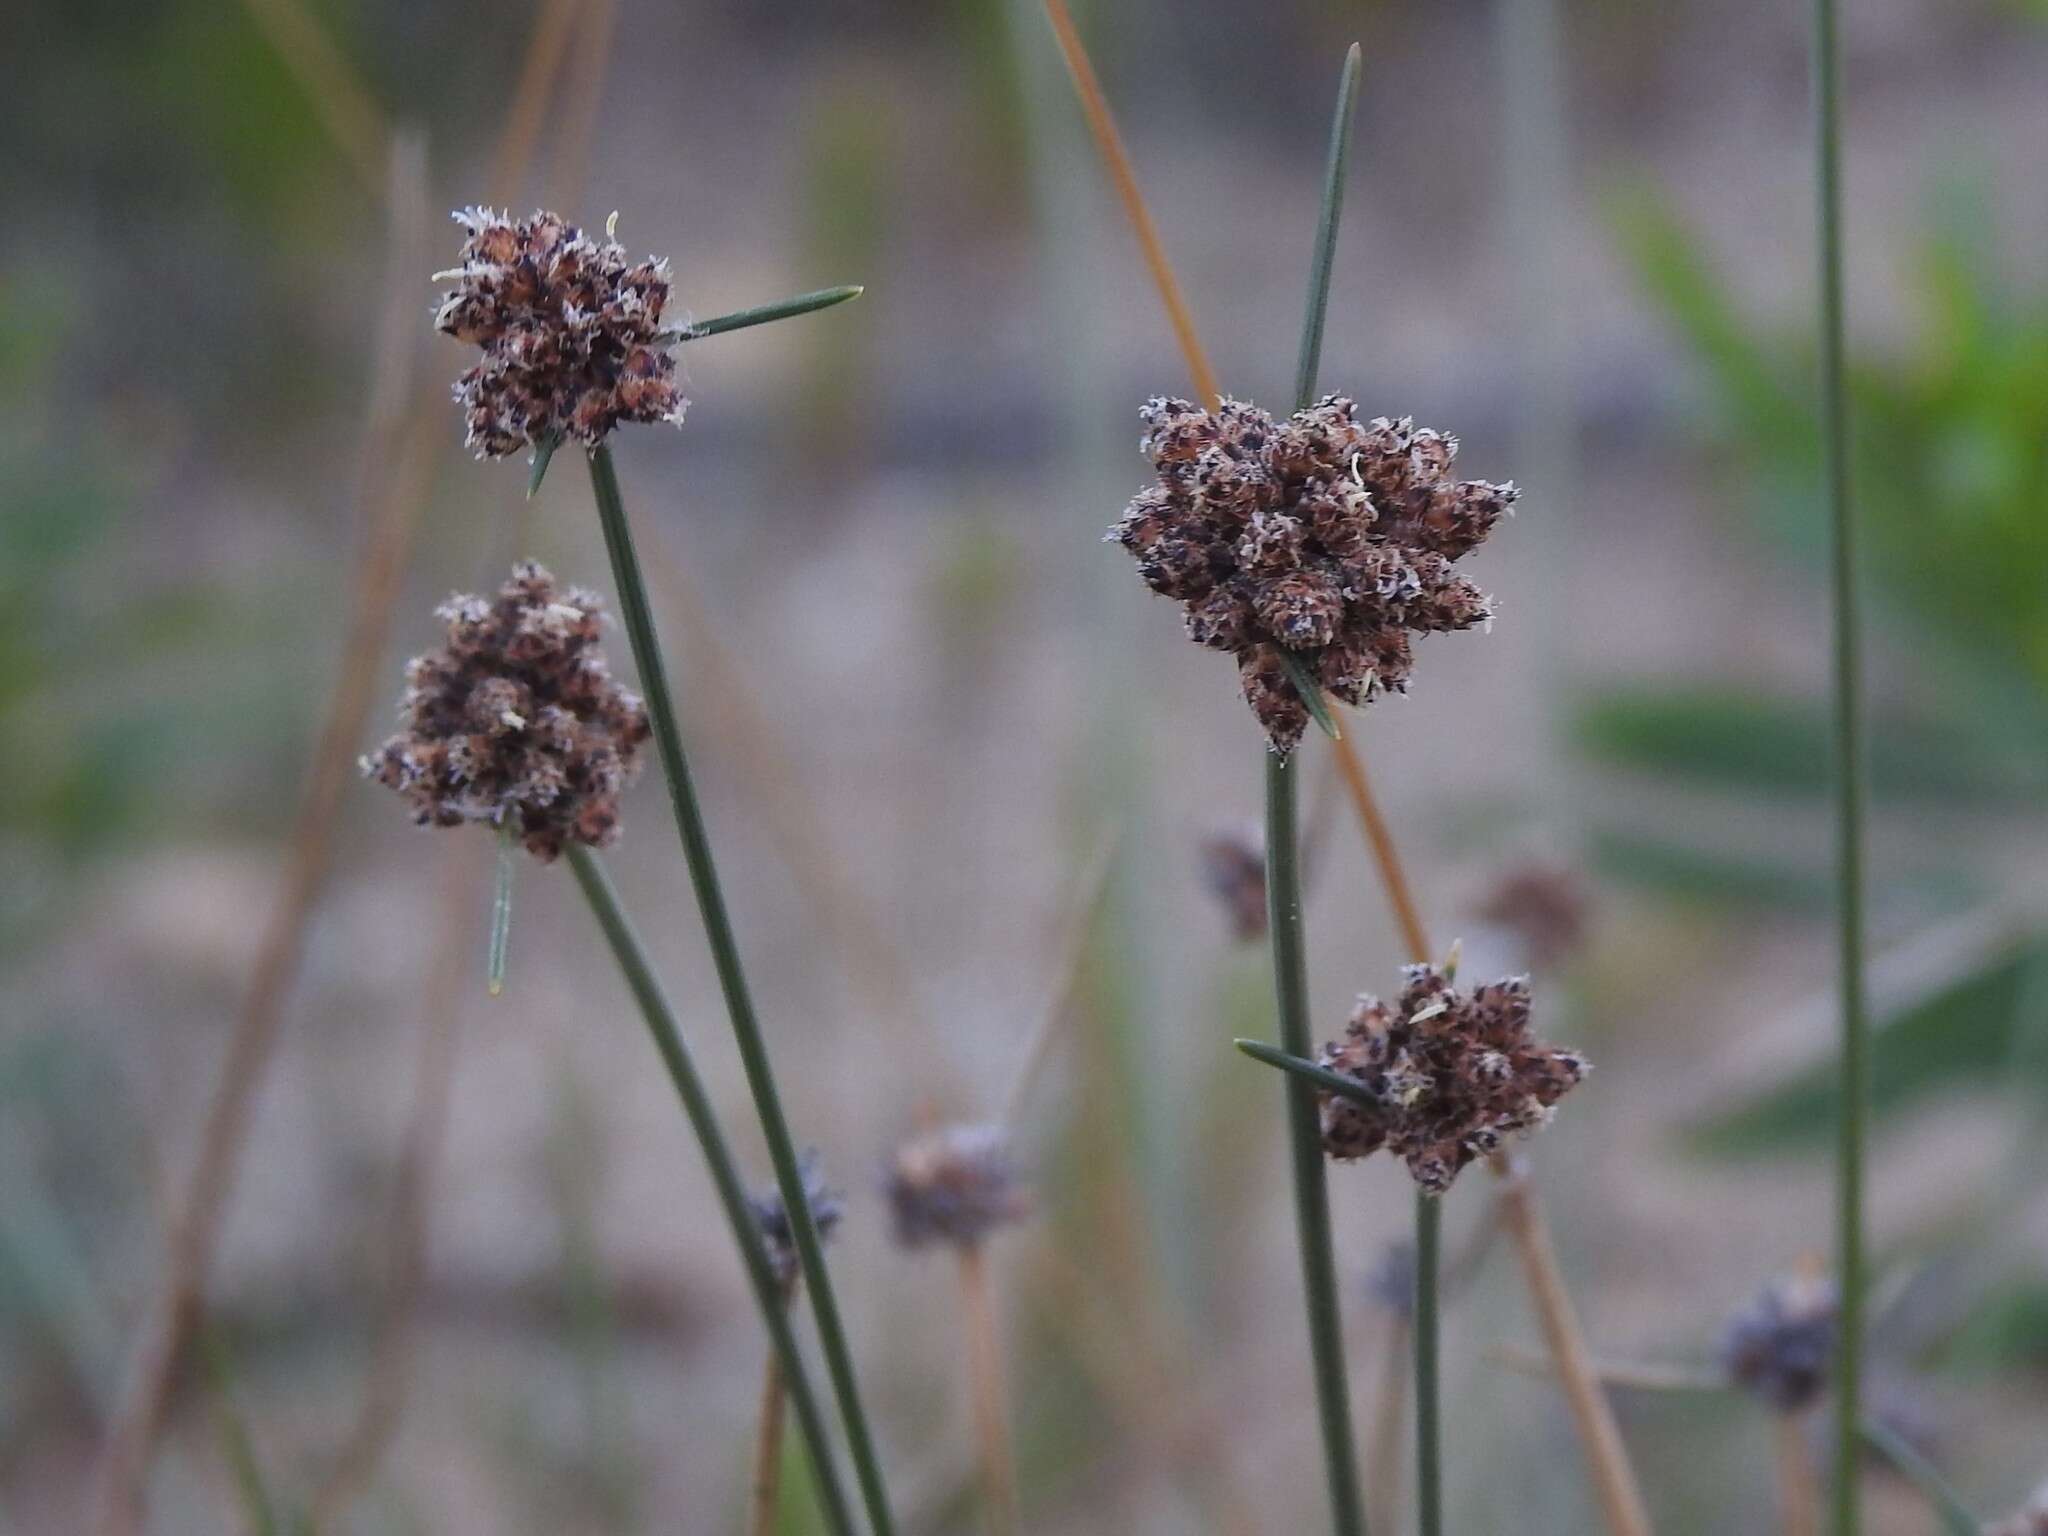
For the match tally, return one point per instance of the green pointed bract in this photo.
(1311, 693)
(763, 314)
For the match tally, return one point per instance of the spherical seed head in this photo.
(1452, 1074)
(771, 1216)
(1780, 1347)
(955, 1185)
(570, 332)
(518, 717)
(1331, 537)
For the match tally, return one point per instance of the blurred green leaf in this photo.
(1963, 1035)
(2008, 1328)
(1709, 878)
(1950, 458)
(1760, 744)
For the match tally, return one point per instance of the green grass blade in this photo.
(763, 314)
(1321, 1077)
(1311, 692)
(1849, 769)
(1956, 1518)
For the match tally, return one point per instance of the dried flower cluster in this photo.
(1322, 536)
(955, 1185)
(1451, 1076)
(517, 716)
(570, 331)
(771, 1216)
(1779, 1347)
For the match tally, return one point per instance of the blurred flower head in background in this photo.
(955, 1185)
(1779, 1347)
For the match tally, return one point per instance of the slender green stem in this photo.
(762, 314)
(1311, 1197)
(732, 1194)
(1322, 1077)
(501, 907)
(638, 618)
(1429, 1463)
(1290, 970)
(1849, 771)
(1956, 1518)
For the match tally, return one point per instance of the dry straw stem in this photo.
(764, 1496)
(1614, 1479)
(1068, 971)
(375, 1428)
(1798, 1489)
(396, 461)
(985, 1378)
(401, 445)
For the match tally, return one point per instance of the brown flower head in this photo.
(1542, 906)
(771, 1216)
(570, 330)
(1451, 1075)
(517, 716)
(1234, 870)
(1324, 536)
(955, 1185)
(1779, 1347)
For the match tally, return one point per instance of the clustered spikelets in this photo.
(1779, 1348)
(1323, 536)
(517, 716)
(955, 1185)
(570, 330)
(771, 1217)
(1451, 1076)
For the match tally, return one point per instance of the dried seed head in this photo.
(1543, 907)
(1452, 1074)
(1779, 1348)
(570, 332)
(517, 716)
(955, 1185)
(1326, 535)
(1234, 869)
(772, 1217)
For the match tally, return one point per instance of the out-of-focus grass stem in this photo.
(637, 616)
(1429, 1464)
(1854, 1093)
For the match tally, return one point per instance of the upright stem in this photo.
(638, 618)
(985, 1370)
(732, 1193)
(1798, 1498)
(1848, 770)
(1429, 1467)
(765, 1497)
(1311, 1197)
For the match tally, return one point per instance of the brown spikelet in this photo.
(1328, 536)
(955, 1185)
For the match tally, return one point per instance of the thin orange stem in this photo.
(985, 1373)
(765, 1496)
(1385, 856)
(1111, 145)
(1798, 1487)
